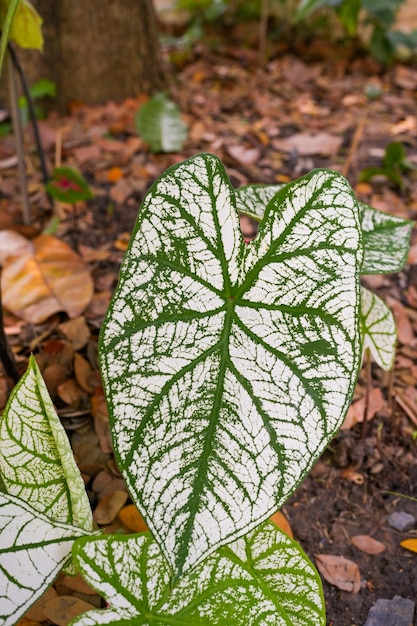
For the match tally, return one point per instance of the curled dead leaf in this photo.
(46, 277)
(63, 609)
(109, 507)
(340, 572)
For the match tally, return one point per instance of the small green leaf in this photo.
(218, 401)
(306, 7)
(386, 238)
(26, 28)
(159, 123)
(68, 185)
(36, 460)
(263, 578)
(379, 332)
(33, 550)
(8, 18)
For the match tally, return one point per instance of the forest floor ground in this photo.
(317, 105)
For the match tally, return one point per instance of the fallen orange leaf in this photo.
(281, 521)
(409, 544)
(43, 278)
(131, 518)
(114, 174)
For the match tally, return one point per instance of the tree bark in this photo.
(97, 50)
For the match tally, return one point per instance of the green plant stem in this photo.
(6, 355)
(18, 134)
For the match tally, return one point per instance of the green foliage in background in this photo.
(378, 15)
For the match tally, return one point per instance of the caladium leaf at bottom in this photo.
(259, 580)
(33, 550)
(379, 332)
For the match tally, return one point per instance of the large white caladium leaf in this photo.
(33, 550)
(228, 367)
(379, 332)
(36, 460)
(386, 238)
(262, 579)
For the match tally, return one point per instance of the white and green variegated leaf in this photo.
(159, 123)
(252, 200)
(33, 550)
(263, 578)
(386, 238)
(36, 460)
(379, 332)
(228, 367)
(386, 241)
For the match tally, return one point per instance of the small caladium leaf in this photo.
(36, 460)
(379, 332)
(159, 123)
(263, 578)
(228, 367)
(68, 185)
(33, 550)
(386, 241)
(386, 238)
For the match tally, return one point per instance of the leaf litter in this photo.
(269, 125)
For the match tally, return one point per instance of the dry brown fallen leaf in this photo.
(367, 544)
(356, 411)
(109, 507)
(63, 609)
(404, 328)
(76, 331)
(45, 276)
(77, 583)
(36, 611)
(340, 572)
(309, 145)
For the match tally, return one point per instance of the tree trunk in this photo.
(97, 50)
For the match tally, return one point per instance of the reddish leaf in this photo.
(367, 544)
(338, 571)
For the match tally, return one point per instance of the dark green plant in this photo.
(380, 15)
(394, 165)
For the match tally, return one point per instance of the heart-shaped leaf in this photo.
(68, 185)
(228, 368)
(33, 550)
(386, 238)
(379, 332)
(264, 578)
(36, 460)
(159, 123)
